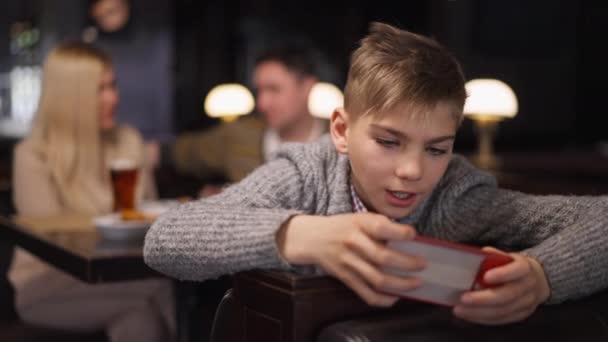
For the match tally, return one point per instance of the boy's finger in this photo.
(507, 273)
(493, 250)
(499, 295)
(359, 286)
(378, 254)
(378, 279)
(381, 228)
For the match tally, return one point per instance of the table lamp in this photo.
(323, 99)
(229, 101)
(488, 102)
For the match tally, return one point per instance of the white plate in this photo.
(112, 227)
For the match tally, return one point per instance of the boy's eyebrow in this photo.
(404, 136)
(441, 139)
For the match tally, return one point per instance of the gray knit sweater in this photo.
(235, 230)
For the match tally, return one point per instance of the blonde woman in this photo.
(62, 168)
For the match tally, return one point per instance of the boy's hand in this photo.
(351, 247)
(210, 190)
(517, 289)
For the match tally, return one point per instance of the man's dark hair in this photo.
(297, 59)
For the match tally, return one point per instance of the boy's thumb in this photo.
(493, 250)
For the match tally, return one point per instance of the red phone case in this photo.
(491, 261)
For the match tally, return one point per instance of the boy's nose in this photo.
(410, 167)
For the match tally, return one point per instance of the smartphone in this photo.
(451, 269)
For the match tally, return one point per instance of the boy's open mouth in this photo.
(400, 198)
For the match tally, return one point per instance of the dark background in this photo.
(550, 52)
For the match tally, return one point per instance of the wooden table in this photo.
(72, 244)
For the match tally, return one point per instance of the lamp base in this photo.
(229, 118)
(486, 162)
(486, 127)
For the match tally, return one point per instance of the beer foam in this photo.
(122, 164)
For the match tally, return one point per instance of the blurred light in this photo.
(323, 99)
(228, 101)
(25, 91)
(490, 97)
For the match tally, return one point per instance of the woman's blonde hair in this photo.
(393, 67)
(66, 129)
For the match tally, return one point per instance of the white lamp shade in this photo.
(490, 98)
(227, 100)
(323, 99)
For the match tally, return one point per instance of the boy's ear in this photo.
(339, 130)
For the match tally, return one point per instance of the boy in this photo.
(389, 175)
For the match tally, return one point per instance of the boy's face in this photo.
(396, 158)
(282, 96)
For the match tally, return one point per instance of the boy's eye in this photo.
(387, 142)
(434, 151)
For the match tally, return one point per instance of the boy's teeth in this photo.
(401, 195)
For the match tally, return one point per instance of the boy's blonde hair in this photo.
(66, 131)
(393, 68)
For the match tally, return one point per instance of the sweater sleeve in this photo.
(34, 192)
(567, 234)
(576, 259)
(229, 232)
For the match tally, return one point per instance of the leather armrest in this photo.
(287, 307)
(583, 320)
(226, 316)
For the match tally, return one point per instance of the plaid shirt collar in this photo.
(358, 206)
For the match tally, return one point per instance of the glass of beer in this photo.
(124, 181)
